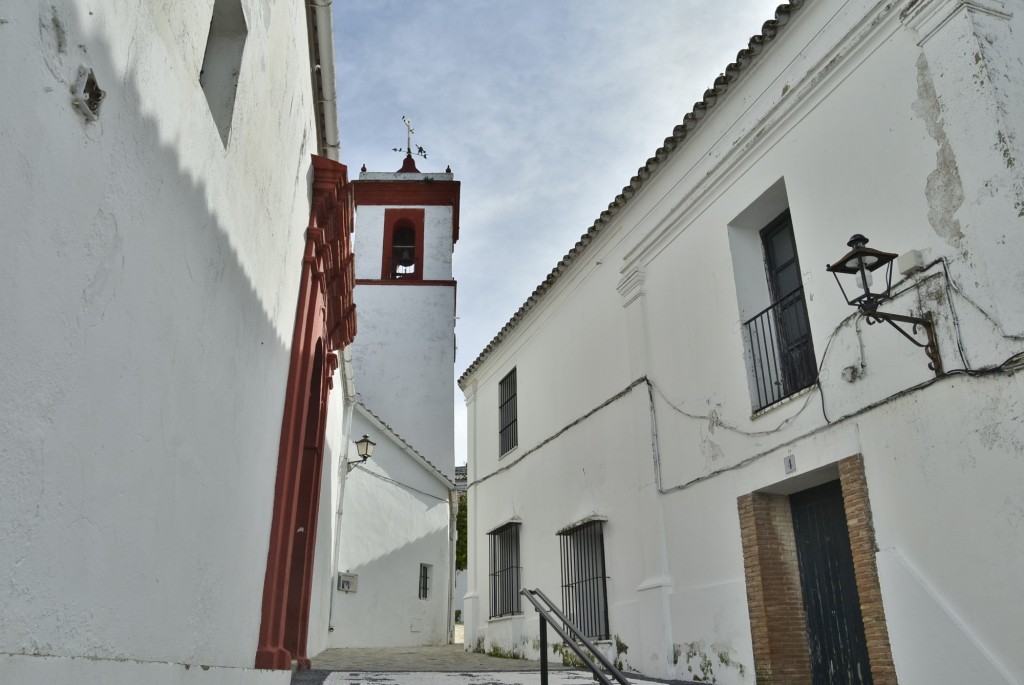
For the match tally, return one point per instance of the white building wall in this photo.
(150, 276)
(396, 516)
(368, 239)
(332, 490)
(403, 358)
(942, 460)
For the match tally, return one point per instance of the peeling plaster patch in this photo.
(908, 9)
(711, 449)
(103, 247)
(1004, 147)
(53, 37)
(57, 26)
(943, 190)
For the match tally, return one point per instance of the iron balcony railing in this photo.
(778, 343)
(573, 639)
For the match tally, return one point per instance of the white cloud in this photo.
(544, 109)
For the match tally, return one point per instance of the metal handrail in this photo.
(570, 640)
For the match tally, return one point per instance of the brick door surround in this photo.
(778, 624)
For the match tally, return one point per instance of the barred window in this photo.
(504, 570)
(424, 581)
(584, 590)
(508, 433)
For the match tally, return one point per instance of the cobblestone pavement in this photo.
(445, 665)
(562, 677)
(450, 658)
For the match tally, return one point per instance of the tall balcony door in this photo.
(792, 329)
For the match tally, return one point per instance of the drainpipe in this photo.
(318, 15)
(348, 403)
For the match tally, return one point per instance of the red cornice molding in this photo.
(411, 193)
(333, 213)
(403, 281)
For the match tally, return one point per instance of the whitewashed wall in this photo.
(368, 240)
(149, 278)
(332, 492)
(859, 122)
(408, 352)
(396, 515)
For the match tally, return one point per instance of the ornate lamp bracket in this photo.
(931, 347)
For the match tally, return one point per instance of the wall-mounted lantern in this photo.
(364, 450)
(859, 263)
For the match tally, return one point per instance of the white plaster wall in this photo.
(676, 583)
(149, 278)
(368, 241)
(332, 484)
(403, 359)
(395, 517)
(459, 598)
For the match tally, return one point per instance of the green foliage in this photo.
(569, 657)
(460, 526)
(501, 653)
(700, 663)
(620, 649)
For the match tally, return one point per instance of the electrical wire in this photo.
(390, 480)
(1010, 364)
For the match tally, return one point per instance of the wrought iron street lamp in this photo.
(860, 262)
(364, 450)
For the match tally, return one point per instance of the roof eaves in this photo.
(438, 473)
(744, 57)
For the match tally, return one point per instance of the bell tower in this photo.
(407, 223)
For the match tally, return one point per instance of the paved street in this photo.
(446, 665)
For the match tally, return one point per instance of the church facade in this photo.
(713, 464)
(177, 307)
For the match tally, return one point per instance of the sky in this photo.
(544, 109)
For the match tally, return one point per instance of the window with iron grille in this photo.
(584, 587)
(424, 581)
(508, 432)
(504, 570)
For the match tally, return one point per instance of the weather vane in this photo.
(408, 141)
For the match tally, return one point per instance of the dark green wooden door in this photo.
(835, 629)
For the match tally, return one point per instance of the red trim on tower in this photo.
(392, 219)
(426, 192)
(371, 281)
(324, 322)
